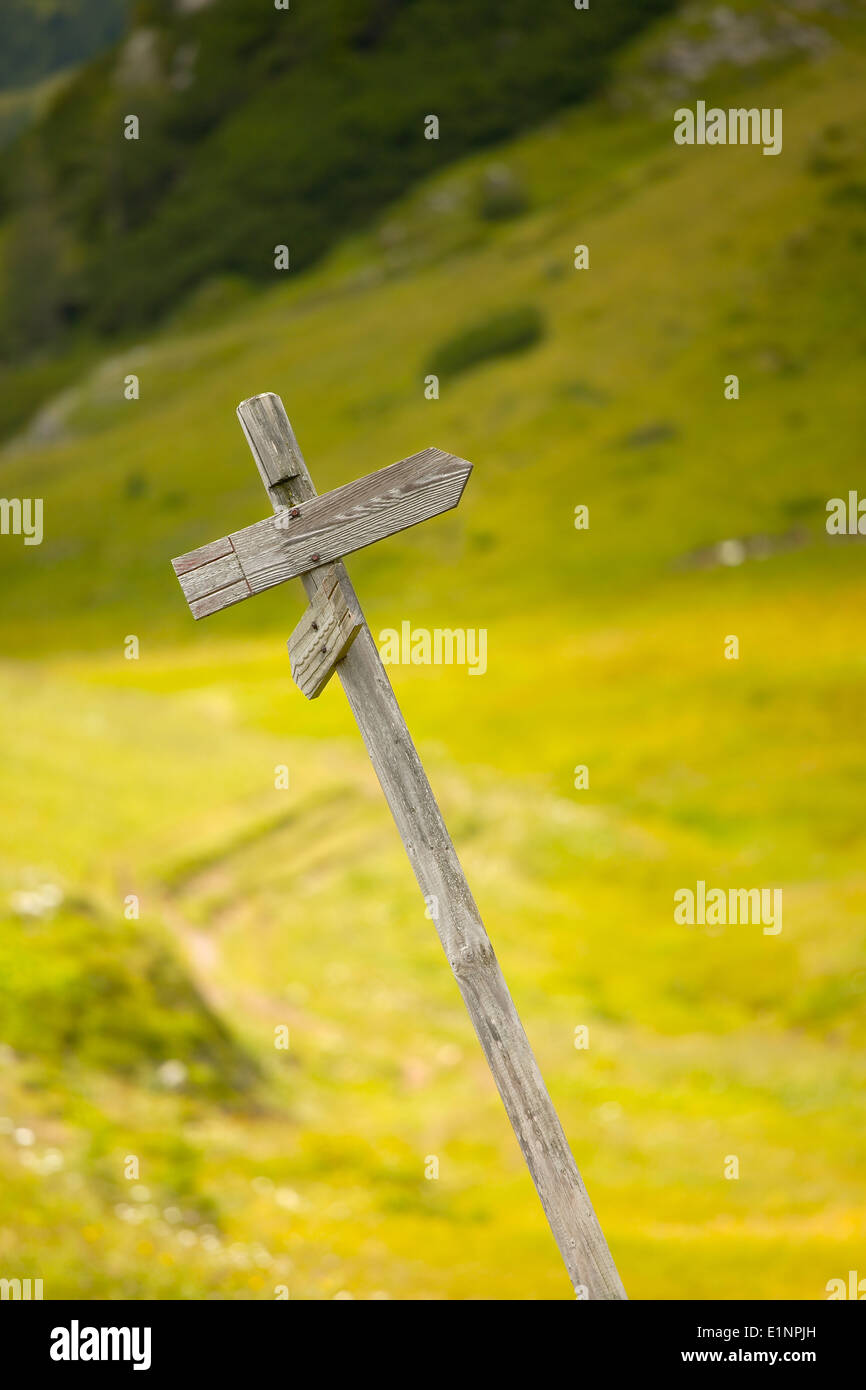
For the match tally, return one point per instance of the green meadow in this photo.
(260, 1169)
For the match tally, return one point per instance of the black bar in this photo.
(230, 1339)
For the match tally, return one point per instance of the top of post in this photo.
(275, 449)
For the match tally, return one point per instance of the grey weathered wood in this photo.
(320, 530)
(214, 550)
(223, 598)
(210, 578)
(322, 638)
(439, 874)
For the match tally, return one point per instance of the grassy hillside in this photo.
(260, 127)
(262, 908)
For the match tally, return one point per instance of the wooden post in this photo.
(436, 866)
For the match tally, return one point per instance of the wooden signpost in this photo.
(307, 538)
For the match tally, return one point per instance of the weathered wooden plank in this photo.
(211, 577)
(351, 517)
(214, 550)
(322, 638)
(434, 861)
(223, 598)
(323, 529)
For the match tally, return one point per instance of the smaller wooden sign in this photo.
(322, 637)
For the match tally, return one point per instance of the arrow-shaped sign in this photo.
(323, 529)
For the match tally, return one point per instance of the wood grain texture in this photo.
(224, 598)
(215, 550)
(438, 872)
(273, 444)
(322, 638)
(321, 529)
(211, 577)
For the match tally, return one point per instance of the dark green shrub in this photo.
(513, 330)
(83, 987)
